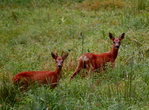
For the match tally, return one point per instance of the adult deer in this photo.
(42, 77)
(95, 62)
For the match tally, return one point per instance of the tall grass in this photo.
(31, 30)
(142, 4)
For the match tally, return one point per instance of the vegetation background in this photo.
(31, 29)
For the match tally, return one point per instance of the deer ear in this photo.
(65, 56)
(111, 36)
(122, 36)
(54, 55)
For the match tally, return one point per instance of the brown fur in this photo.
(41, 77)
(93, 62)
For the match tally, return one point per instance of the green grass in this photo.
(31, 30)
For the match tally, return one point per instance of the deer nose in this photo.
(59, 66)
(117, 46)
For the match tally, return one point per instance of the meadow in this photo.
(31, 29)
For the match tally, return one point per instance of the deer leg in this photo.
(89, 71)
(79, 67)
(77, 71)
(88, 67)
(112, 64)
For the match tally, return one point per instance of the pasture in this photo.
(31, 29)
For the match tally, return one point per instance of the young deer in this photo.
(42, 77)
(95, 62)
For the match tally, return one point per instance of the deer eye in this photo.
(114, 42)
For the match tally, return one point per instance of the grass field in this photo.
(31, 29)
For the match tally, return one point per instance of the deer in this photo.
(51, 78)
(97, 62)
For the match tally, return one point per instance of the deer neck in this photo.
(58, 71)
(114, 52)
